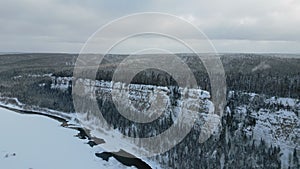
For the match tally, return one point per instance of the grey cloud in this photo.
(57, 25)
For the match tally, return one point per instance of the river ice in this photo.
(38, 142)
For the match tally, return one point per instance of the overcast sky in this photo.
(232, 25)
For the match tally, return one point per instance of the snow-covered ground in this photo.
(33, 141)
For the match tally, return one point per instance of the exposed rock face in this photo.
(253, 124)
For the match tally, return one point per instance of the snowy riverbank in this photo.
(33, 141)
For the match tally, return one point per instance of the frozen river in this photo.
(38, 142)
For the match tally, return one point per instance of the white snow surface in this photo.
(32, 141)
(14, 103)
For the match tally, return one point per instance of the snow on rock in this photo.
(62, 83)
(282, 101)
(279, 126)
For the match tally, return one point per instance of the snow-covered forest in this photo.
(260, 127)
